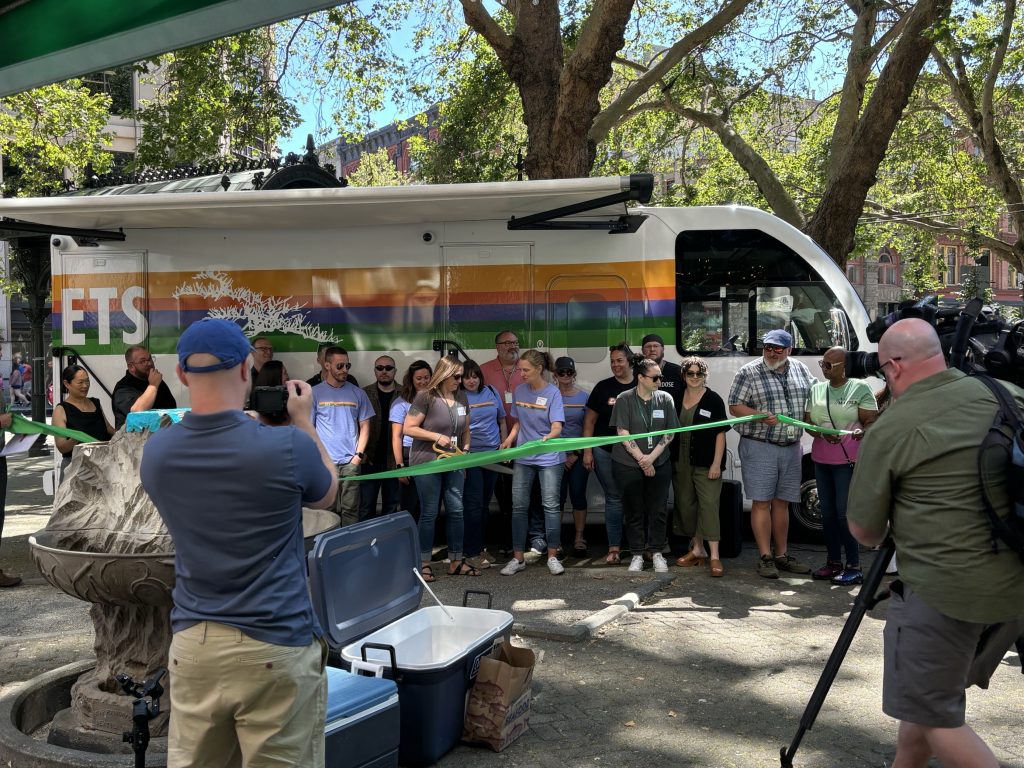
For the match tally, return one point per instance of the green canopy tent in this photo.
(45, 41)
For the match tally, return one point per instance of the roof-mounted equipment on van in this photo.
(639, 187)
(29, 228)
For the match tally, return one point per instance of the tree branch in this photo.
(937, 227)
(609, 116)
(748, 158)
(481, 22)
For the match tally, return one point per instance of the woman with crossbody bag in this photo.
(838, 403)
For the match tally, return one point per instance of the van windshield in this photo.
(733, 286)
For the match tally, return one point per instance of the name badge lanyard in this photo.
(790, 431)
(453, 419)
(647, 417)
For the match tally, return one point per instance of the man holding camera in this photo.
(247, 656)
(341, 416)
(958, 605)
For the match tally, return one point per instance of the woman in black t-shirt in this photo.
(595, 424)
(78, 411)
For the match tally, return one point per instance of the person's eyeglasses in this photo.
(566, 372)
(342, 366)
(695, 374)
(774, 348)
(264, 349)
(384, 367)
(508, 343)
(652, 378)
(890, 360)
(143, 360)
(825, 366)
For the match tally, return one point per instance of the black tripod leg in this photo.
(865, 601)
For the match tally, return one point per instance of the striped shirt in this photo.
(782, 392)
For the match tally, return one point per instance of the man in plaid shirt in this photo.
(770, 452)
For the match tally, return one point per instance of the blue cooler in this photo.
(362, 723)
(367, 597)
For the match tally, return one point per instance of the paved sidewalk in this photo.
(702, 671)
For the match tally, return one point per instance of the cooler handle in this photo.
(468, 592)
(376, 670)
(381, 647)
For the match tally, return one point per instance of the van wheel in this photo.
(807, 514)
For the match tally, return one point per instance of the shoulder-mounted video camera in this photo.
(974, 339)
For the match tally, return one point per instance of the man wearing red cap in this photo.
(247, 655)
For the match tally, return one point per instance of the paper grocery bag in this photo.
(498, 710)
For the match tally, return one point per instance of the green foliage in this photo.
(212, 100)
(50, 131)
(376, 169)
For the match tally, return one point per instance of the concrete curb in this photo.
(588, 627)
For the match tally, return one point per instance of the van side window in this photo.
(732, 286)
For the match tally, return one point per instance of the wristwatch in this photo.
(360, 454)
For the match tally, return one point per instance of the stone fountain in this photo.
(105, 543)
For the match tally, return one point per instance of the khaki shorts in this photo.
(236, 701)
(932, 659)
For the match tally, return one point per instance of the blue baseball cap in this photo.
(779, 338)
(213, 336)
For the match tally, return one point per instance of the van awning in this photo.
(49, 40)
(314, 208)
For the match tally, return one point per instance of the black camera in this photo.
(973, 339)
(270, 401)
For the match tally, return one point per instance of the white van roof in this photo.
(299, 208)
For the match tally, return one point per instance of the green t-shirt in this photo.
(918, 469)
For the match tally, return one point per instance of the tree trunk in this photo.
(834, 222)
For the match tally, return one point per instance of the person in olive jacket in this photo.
(698, 485)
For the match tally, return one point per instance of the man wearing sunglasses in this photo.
(379, 456)
(958, 605)
(770, 452)
(341, 416)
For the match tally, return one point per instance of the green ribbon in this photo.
(559, 445)
(22, 426)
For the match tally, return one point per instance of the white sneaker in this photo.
(512, 567)
(660, 566)
(555, 567)
(636, 564)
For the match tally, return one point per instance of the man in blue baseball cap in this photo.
(770, 453)
(247, 655)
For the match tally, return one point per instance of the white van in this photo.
(398, 269)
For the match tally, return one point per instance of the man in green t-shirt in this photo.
(958, 606)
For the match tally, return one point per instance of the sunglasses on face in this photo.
(652, 378)
(774, 348)
(826, 366)
(695, 374)
(457, 376)
(384, 367)
(342, 366)
(565, 372)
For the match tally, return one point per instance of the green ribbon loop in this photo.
(557, 445)
(22, 426)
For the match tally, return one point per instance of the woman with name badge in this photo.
(599, 460)
(486, 431)
(699, 468)
(838, 403)
(641, 467)
(438, 423)
(574, 481)
(416, 379)
(538, 414)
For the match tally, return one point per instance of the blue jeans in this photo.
(574, 486)
(550, 485)
(429, 488)
(476, 500)
(833, 489)
(612, 497)
(387, 489)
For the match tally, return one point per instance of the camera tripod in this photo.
(142, 711)
(866, 599)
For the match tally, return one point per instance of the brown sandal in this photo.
(612, 558)
(716, 568)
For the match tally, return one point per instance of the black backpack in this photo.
(1001, 468)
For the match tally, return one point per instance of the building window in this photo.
(950, 265)
(116, 83)
(854, 274)
(886, 270)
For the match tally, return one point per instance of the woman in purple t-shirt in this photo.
(537, 414)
